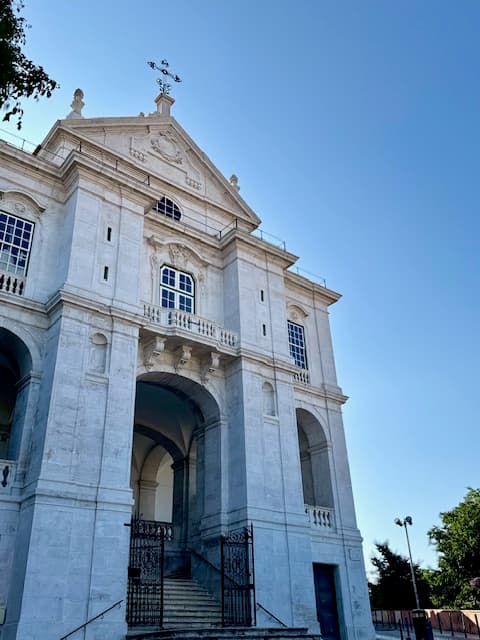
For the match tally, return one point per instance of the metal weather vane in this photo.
(165, 87)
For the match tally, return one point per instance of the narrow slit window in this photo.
(109, 234)
(105, 273)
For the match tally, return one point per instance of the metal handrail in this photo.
(260, 606)
(99, 615)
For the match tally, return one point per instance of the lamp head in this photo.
(399, 522)
(408, 519)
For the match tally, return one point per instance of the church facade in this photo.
(160, 360)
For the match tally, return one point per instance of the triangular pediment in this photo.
(161, 147)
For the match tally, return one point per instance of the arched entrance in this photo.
(174, 489)
(15, 367)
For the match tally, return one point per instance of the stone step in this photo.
(192, 632)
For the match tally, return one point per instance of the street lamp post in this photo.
(403, 523)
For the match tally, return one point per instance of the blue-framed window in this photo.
(296, 342)
(15, 243)
(177, 290)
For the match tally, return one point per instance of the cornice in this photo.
(237, 236)
(28, 161)
(325, 392)
(301, 282)
(22, 302)
(63, 297)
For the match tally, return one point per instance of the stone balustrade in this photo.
(320, 517)
(11, 283)
(302, 375)
(191, 323)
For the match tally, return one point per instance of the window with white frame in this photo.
(177, 289)
(168, 208)
(15, 243)
(296, 342)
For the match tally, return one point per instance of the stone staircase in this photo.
(191, 613)
(225, 633)
(186, 604)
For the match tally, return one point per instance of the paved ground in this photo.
(394, 634)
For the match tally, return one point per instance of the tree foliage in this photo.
(393, 587)
(19, 76)
(458, 545)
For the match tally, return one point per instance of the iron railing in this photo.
(99, 615)
(146, 572)
(238, 578)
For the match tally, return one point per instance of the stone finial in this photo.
(164, 103)
(77, 105)
(234, 182)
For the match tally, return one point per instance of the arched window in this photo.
(296, 342)
(168, 208)
(177, 289)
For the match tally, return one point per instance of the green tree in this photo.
(458, 544)
(393, 587)
(19, 77)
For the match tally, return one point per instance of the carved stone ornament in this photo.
(152, 350)
(166, 145)
(184, 354)
(210, 365)
(19, 207)
(178, 255)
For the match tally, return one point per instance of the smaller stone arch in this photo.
(18, 201)
(97, 361)
(315, 461)
(268, 395)
(296, 313)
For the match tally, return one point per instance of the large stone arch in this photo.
(177, 420)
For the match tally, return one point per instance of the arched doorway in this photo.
(176, 484)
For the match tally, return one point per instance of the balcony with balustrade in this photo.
(190, 328)
(11, 283)
(322, 519)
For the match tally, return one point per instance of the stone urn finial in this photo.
(77, 105)
(234, 182)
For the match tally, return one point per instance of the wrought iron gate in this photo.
(238, 578)
(145, 572)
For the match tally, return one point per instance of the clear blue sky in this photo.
(354, 130)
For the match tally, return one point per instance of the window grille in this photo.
(15, 242)
(168, 208)
(176, 290)
(296, 342)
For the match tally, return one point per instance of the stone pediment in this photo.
(161, 147)
(164, 146)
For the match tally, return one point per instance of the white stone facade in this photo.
(105, 391)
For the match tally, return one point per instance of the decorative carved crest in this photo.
(167, 146)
